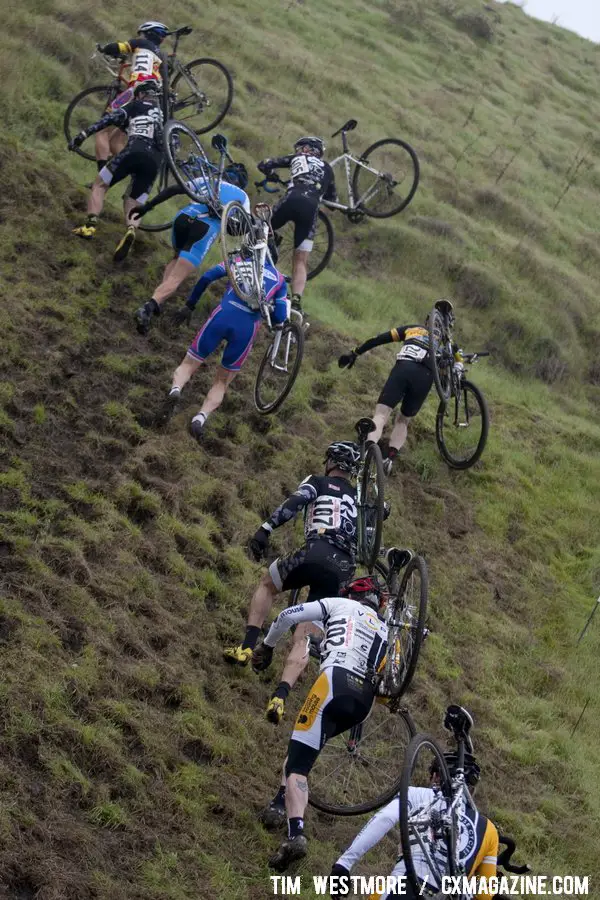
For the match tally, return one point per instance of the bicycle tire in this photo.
(444, 410)
(413, 186)
(270, 407)
(369, 548)
(418, 742)
(380, 799)
(110, 93)
(236, 223)
(200, 168)
(438, 334)
(417, 630)
(196, 63)
(316, 264)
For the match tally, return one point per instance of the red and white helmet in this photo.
(369, 591)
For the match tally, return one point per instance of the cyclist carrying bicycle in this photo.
(195, 229)
(142, 120)
(234, 322)
(352, 652)
(477, 840)
(311, 180)
(324, 564)
(408, 383)
(145, 64)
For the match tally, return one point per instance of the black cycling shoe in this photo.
(143, 320)
(297, 302)
(167, 409)
(290, 850)
(196, 429)
(273, 816)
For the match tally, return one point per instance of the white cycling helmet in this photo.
(156, 28)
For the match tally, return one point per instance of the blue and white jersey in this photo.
(274, 287)
(227, 192)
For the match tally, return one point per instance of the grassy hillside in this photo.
(131, 760)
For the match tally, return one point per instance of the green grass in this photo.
(132, 760)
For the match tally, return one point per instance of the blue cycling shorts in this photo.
(193, 237)
(231, 323)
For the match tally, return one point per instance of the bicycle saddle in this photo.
(187, 29)
(350, 125)
(459, 721)
(397, 558)
(364, 427)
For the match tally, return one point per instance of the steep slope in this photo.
(130, 758)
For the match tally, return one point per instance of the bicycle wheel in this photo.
(357, 771)
(428, 830)
(188, 162)
(406, 626)
(237, 233)
(278, 371)
(440, 354)
(386, 178)
(320, 254)
(370, 507)
(204, 93)
(161, 217)
(462, 426)
(84, 109)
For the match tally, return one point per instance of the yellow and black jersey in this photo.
(146, 58)
(414, 337)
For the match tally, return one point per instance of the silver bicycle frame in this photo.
(353, 202)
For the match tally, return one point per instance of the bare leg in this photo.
(185, 370)
(298, 656)
(103, 151)
(96, 200)
(399, 432)
(214, 398)
(262, 601)
(296, 796)
(382, 414)
(118, 141)
(178, 271)
(128, 207)
(299, 271)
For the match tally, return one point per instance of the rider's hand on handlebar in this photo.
(77, 141)
(259, 543)
(347, 360)
(183, 316)
(265, 166)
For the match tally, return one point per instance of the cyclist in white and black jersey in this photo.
(409, 382)
(311, 180)
(142, 121)
(325, 563)
(352, 652)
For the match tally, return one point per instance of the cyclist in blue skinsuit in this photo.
(195, 229)
(234, 322)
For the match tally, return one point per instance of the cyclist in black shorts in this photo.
(409, 381)
(142, 120)
(311, 180)
(325, 563)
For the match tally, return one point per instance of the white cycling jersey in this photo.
(355, 637)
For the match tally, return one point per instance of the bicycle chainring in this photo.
(356, 216)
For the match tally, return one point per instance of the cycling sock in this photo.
(251, 637)
(101, 163)
(200, 417)
(152, 307)
(175, 391)
(279, 798)
(295, 826)
(92, 219)
(283, 689)
(392, 452)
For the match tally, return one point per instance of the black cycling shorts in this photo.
(187, 230)
(138, 160)
(410, 382)
(319, 565)
(300, 210)
(337, 700)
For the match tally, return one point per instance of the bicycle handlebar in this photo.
(271, 178)
(473, 357)
(505, 856)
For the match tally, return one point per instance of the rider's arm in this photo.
(209, 276)
(121, 48)
(388, 337)
(485, 862)
(118, 117)
(305, 494)
(375, 829)
(168, 192)
(331, 192)
(278, 162)
(293, 615)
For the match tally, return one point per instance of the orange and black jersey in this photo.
(146, 58)
(414, 337)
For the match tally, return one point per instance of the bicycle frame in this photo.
(353, 203)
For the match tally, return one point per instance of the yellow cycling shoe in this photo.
(237, 655)
(275, 710)
(85, 231)
(124, 246)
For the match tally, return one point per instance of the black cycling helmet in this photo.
(237, 174)
(150, 88)
(472, 770)
(345, 455)
(316, 144)
(445, 307)
(367, 590)
(154, 30)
